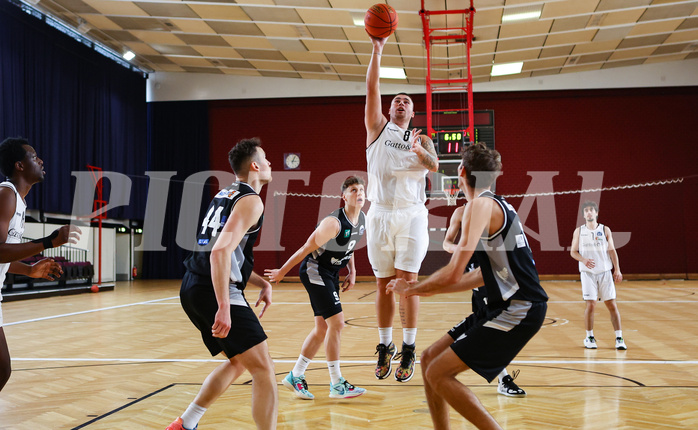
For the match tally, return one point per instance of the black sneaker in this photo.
(509, 388)
(385, 355)
(405, 371)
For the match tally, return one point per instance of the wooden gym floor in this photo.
(130, 359)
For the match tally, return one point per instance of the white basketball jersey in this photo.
(16, 227)
(593, 244)
(395, 177)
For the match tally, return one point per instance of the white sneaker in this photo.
(590, 342)
(620, 344)
(508, 387)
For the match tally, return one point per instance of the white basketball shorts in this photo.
(598, 286)
(397, 238)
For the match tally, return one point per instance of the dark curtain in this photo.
(75, 106)
(177, 141)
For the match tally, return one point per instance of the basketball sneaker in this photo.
(177, 425)
(590, 342)
(405, 371)
(508, 387)
(385, 355)
(298, 386)
(344, 390)
(620, 344)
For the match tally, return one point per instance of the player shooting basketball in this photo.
(397, 235)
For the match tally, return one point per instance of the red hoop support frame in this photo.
(443, 84)
(98, 208)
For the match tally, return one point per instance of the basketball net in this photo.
(451, 195)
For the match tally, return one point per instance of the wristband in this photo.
(47, 241)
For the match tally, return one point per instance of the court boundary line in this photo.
(113, 411)
(469, 302)
(87, 311)
(282, 361)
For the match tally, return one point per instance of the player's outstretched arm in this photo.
(328, 229)
(450, 243)
(476, 219)
(469, 280)
(245, 214)
(10, 252)
(46, 269)
(373, 115)
(613, 254)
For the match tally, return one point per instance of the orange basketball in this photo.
(380, 20)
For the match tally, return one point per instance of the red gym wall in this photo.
(634, 136)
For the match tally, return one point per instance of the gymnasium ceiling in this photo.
(317, 39)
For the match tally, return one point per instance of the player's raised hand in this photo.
(46, 269)
(274, 275)
(417, 147)
(264, 296)
(66, 234)
(378, 41)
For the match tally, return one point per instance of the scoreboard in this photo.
(451, 130)
(450, 136)
(451, 143)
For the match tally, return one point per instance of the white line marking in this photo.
(87, 312)
(467, 302)
(177, 360)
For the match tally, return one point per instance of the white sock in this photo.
(192, 416)
(590, 333)
(409, 335)
(335, 372)
(502, 375)
(301, 365)
(619, 333)
(386, 335)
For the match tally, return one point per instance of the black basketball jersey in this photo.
(479, 299)
(506, 261)
(242, 260)
(335, 254)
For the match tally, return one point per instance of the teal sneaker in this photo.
(344, 390)
(298, 386)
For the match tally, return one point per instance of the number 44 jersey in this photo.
(217, 214)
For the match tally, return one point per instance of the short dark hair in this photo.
(481, 163)
(404, 94)
(242, 155)
(352, 180)
(590, 204)
(12, 150)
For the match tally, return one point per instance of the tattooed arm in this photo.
(423, 146)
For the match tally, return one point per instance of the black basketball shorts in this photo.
(200, 304)
(488, 342)
(322, 286)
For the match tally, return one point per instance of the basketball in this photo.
(94, 289)
(380, 20)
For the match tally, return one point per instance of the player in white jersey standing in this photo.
(592, 246)
(22, 168)
(397, 234)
